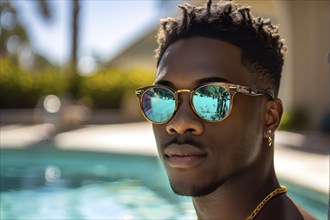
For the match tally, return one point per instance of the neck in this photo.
(238, 197)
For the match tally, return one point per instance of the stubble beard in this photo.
(206, 188)
(195, 190)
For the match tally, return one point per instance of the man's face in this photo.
(200, 156)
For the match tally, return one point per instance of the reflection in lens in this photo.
(158, 104)
(212, 102)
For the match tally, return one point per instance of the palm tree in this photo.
(75, 78)
(45, 11)
(11, 30)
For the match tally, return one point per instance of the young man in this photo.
(214, 110)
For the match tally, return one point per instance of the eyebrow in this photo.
(165, 83)
(196, 83)
(211, 79)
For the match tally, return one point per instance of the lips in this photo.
(184, 156)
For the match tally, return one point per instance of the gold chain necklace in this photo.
(255, 212)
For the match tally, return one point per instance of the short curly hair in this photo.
(262, 48)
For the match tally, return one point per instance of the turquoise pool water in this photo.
(117, 200)
(46, 183)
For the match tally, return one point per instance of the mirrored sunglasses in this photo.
(211, 102)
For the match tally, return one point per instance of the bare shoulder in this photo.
(306, 215)
(282, 207)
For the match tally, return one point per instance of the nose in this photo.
(185, 121)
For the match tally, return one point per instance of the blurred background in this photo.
(71, 131)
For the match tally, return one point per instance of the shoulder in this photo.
(306, 215)
(282, 207)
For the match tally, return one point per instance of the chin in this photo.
(194, 190)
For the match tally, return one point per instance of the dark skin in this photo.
(230, 165)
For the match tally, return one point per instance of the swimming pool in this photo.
(44, 182)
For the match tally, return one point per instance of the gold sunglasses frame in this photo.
(232, 89)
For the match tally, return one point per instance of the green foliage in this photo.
(21, 89)
(293, 120)
(107, 88)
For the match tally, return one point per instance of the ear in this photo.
(273, 115)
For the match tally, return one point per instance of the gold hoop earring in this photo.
(270, 140)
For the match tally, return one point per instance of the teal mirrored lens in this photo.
(211, 102)
(158, 104)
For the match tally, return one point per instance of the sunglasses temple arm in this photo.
(253, 92)
(261, 92)
(257, 92)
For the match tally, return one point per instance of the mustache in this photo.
(180, 141)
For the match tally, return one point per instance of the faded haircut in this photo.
(262, 48)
